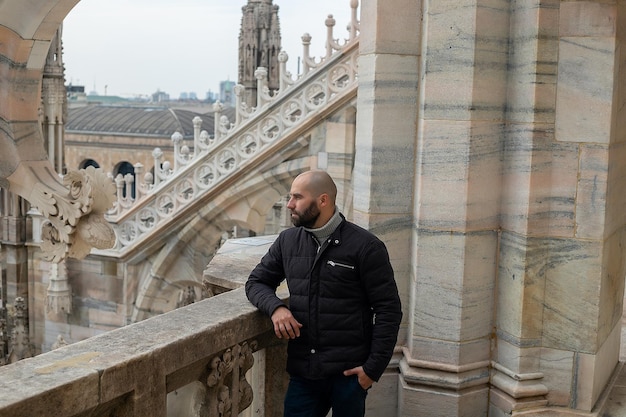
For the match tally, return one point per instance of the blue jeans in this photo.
(314, 398)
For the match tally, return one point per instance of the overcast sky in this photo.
(136, 47)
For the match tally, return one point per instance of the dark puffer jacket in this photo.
(344, 295)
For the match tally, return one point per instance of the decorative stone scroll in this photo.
(73, 206)
(75, 214)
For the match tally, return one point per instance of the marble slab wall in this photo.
(517, 207)
(561, 270)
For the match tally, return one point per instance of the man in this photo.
(344, 311)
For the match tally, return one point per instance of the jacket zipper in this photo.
(314, 343)
(333, 263)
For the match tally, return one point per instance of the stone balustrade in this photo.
(195, 357)
(321, 77)
(258, 133)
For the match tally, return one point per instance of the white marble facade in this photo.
(490, 157)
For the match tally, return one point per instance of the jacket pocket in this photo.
(341, 279)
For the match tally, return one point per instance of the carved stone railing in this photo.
(207, 346)
(258, 134)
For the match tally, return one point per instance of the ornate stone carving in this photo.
(4, 337)
(234, 146)
(20, 346)
(75, 214)
(186, 296)
(259, 43)
(228, 391)
(59, 297)
(60, 342)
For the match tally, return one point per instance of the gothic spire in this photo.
(259, 45)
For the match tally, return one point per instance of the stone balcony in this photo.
(194, 361)
(200, 352)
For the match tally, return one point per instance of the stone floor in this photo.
(616, 401)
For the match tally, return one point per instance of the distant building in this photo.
(227, 93)
(160, 96)
(116, 137)
(75, 93)
(184, 96)
(211, 97)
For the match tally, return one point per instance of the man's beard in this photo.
(307, 218)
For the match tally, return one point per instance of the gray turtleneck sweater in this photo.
(322, 233)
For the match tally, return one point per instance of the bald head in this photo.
(318, 182)
(312, 199)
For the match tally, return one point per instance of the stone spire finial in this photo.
(259, 46)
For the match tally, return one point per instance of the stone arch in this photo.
(32, 29)
(26, 170)
(88, 163)
(124, 168)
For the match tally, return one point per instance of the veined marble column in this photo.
(462, 102)
(530, 157)
(384, 169)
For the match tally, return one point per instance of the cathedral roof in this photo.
(137, 121)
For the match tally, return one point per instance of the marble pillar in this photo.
(457, 199)
(386, 120)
